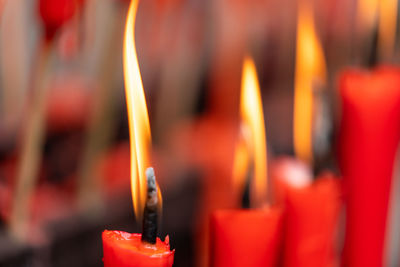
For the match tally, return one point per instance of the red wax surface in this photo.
(311, 220)
(246, 237)
(311, 213)
(122, 249)
(368, 140)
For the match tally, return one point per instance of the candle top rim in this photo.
(267, 209)
(384, 77)
(132, 242)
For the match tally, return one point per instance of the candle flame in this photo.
(252, 146)
(310, 68)
(139, 126)
(387, 28)
(367, 11)
(241, 160)
(381, 13)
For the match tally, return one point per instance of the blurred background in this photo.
(63, 119)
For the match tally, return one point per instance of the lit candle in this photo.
(248, 237)
(133, 250)
(311, 207)
(369, 136)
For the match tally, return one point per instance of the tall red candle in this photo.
(369, 136)
(311, 214)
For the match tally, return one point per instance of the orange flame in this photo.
(367, 11)
(241, 160)
(384, 14)
(139, 126)
(253, 134)
(310, 68)
(387, 28)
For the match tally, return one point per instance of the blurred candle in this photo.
(311, 213)
(369, 136)
(311, 207)
(248, 237)
(133, 250)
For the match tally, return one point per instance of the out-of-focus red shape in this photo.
(69, 104)
(311, 213)
(114, 169)
(288, 172)
(246, 237)
(312, 217)
(54, 13)
(122, 249)
(368, 140)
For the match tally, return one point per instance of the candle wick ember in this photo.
(150, 214)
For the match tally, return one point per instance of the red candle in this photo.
(311, 214)
(123, 249)
(369, 136)
(311, 208)
(246, 237)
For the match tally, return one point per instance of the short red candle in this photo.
(368, 141)
(311, 214)
(122, 249)
(246, 237)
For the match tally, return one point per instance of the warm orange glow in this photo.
(367, 14)
(310, 69)
(387, 28)
(253, 137)
(381, 13)
(139, 126)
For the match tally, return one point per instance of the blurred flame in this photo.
(241, 162)
(252, 147)
(387, 28)
(367, 13)
(139, 126)
(310, 68)
(382, 13)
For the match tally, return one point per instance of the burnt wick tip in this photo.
(151, 179)
(150, 216)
